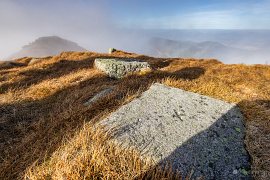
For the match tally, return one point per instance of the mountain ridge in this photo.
(46, 46)
(162, 47)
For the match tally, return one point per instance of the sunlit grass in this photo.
(48, 133)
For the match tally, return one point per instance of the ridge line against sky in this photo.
(22, 21)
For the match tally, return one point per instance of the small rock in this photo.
(111, 50)
(99, 95)
(118, 68)
(34, 61)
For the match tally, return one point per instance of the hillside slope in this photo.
(47, 46)
(46, 131)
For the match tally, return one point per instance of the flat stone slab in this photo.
(190, 131)
(118, 68)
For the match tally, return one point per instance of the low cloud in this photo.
(24, 22)
(96, 26)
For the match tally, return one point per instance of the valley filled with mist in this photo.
(175, 29)
(228, 46)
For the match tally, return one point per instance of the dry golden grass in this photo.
(46, 132)
(90, 156)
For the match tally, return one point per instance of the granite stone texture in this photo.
(119, 68)
(193, 133)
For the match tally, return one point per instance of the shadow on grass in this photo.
(158, 64)
(189, 73)
(9, 65)
(33, 130)
(58, 69)
(257, 113)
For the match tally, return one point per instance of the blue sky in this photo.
(198, 14)
(168, 14)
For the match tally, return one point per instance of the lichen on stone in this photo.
(119, 68)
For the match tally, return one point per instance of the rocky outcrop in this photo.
(185, 129)
(118, 68)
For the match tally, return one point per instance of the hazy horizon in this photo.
(127, 25)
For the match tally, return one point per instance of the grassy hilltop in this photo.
(46, 131)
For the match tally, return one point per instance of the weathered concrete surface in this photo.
(118, 68)
(98, 96)
(188, 130)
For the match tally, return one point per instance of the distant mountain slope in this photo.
(47, 46)
(208, 49)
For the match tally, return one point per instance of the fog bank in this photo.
(96, 27)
